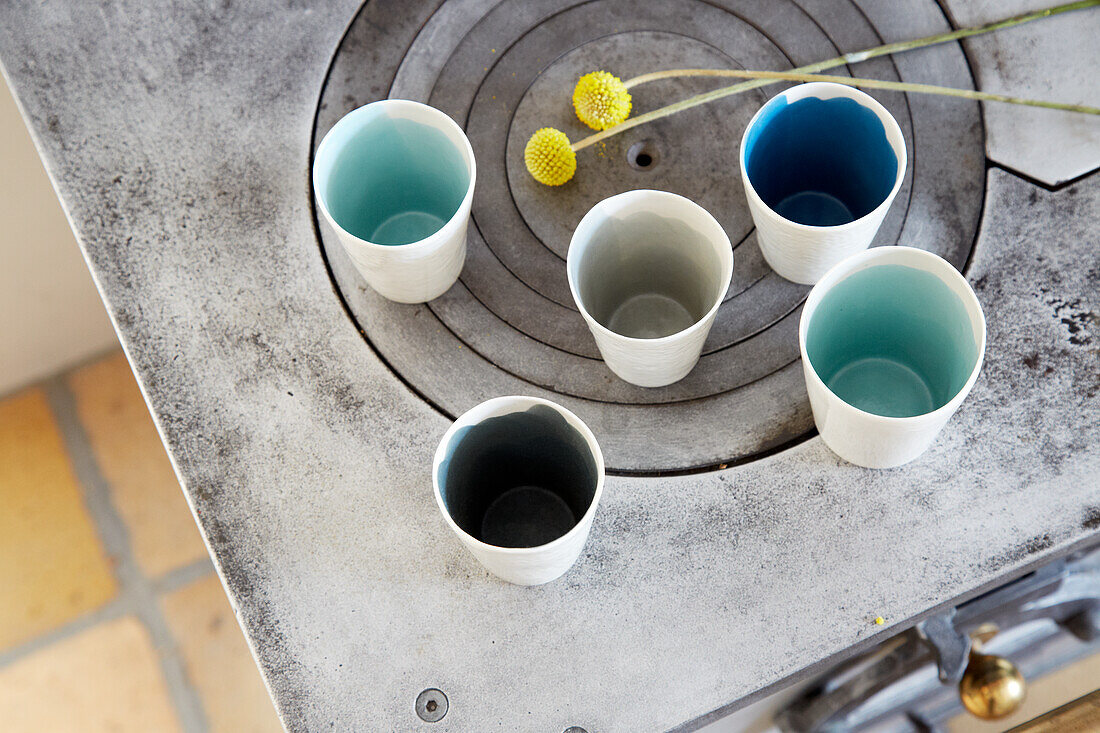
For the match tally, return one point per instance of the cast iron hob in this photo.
(509, 326)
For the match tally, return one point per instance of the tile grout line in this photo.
(122, 605)
(111, 611)
(137, 592)
(185, 575)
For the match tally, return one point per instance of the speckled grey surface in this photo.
(1053, 60)
(178, 137)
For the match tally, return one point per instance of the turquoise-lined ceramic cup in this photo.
(892, 341)
(518, 480)
(821, 163)
(395, 180)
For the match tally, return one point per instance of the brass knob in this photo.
(992, 687)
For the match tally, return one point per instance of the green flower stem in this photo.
(901, 86)
(774, 77)
(763, 78)
(870, 53)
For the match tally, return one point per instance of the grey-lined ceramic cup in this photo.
(648, 271)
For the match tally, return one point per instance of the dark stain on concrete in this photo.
(1075, 317)
(1020, 552)
(1038, 544)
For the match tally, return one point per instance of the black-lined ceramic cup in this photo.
(518, 480)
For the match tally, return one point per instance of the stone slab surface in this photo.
(178, 137)
(1054, 59)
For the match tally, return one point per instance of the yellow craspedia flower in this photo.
(549, 157)
(601, 100)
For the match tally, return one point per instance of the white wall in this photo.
(50, 314)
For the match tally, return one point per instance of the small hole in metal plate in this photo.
(431, 705)
(642, 155)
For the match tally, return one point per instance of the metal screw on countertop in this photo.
(431, 705)
(574, 729)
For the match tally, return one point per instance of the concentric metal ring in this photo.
(502, 69)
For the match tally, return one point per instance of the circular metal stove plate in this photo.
(509, 326)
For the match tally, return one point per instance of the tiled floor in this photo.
(111, 616)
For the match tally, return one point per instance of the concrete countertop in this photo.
(178, 137)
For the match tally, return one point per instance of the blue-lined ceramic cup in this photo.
(518, 480)
(892, 340)
(821, 163)
(395, 180)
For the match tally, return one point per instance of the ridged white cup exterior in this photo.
(660, 361)
(523, 565)
(803, 253)
(863, 438)
(406, 273)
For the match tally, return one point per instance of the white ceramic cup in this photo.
(648, 270)
(395, 180)
(892, 340)
(518, 479)
(821, 163)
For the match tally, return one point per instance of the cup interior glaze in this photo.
(822, 161)
(893, 340)
(390, 177)
(646, 276)
(520, 479)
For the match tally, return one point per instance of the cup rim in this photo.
(440, 116)
(889, 125)
(945, 271)
(474, 416)
(681, 200)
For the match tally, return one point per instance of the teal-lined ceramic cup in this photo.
(395, 181)
(892, 341)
